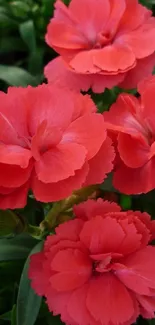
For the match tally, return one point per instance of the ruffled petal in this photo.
(114, 58)
(138, 273)
(60, 162)
(14, 155)
(90, 209)
(108, 300)
(60, 190)
(134, 153)
(72, 269)
(135, 180)
(102, 235)
(14, 198)
(88, 131)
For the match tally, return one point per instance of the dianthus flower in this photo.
(98, 269)
(102, 43)
(52, 142)
(132, 122)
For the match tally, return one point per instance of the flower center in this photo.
(103, 39)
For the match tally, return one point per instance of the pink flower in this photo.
(52, 142)
(101, 44)
(98, 268)
(132, 122)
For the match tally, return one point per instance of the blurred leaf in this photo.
(10, 223)
(35, 63)
(6, 316)
(147, 3)
(5, 20)
(53, 320)
(28, 303)
(125, 202)
(107, 184)
(10, 44)
(15, 76)
(20, 9)
(27, 32)
(16, 248)
(13, 315)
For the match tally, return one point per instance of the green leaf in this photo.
(27, 31)
(28, 303)
(13, 315)
(15, 76)
(16, 248)
(6, 316)
(11, 44)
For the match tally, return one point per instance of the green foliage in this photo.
(28, 303)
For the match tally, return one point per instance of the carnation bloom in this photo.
(98, 269)
(52, 141)
(102, 43)
(132, 122)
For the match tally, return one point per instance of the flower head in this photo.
(52, 142)
(132, 122)
(101, 44)
(98, 268)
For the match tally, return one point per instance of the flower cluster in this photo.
(50, 148)
(98, 268)
(131, 122)
(102, 43)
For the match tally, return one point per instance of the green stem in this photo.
(59, 207)
(34, 231)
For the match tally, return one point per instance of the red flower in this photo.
(101, 44)
(132, 121)
(52, 141)
(98, 269)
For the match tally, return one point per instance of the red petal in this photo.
(143, 69)
(73, 267)
(134, 152)
(118, 305)
(13, 175)
(60, 162)
(137, 38)
(46, 103)
(121, 117)
(117, 11)
(147, 305)
(77, 307)
(57, 72)
(90, 209)
(83, 62)
(132, 239)
(131, 22)
(60, 190)
(102, 235)
(16, 199)
(57, 304)
(92, 16)
(14, 155)
(139, 271)
(114, 58)
(14, 101)
(125, 178)
(39, 273)
(61, 34)
(101, 164)
(88, 131)
(70, 230)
